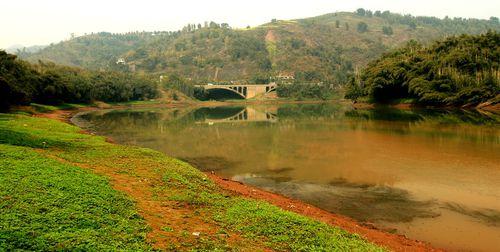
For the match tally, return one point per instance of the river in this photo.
(432, 175)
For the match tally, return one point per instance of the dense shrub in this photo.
(455, 71)
(179, 83)
(305, 91)
(22, 83)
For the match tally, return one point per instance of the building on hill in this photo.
(286, 76)
(120, 61)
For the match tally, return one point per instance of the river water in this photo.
(430, 175)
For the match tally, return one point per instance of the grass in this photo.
(48, 205)
(42, 108)
(131, 103)
(271, 50)
(286, 230)
(49, 202)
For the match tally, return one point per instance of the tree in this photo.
(354, 90)
(214, 25)
(297, 43)
(308, 91)
(387, 30)
(362, 27)
(175, 96)
(337, 24)
(180, 46)
(179, 83)
(17, 82)
(361, 12)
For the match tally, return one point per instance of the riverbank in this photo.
(488, 107)
(181, 204)
(389, 240)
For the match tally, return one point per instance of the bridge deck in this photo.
(246, 91)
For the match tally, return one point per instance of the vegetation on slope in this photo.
(306, 91)
(455, 71)
(51, 202)
(328, 48)
(23, 83)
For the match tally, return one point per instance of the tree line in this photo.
(463, 70)
(301, 91)
(22, 83)
(450, 25)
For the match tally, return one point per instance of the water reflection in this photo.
(432, 175)
(236, 114)
(411, 116)
(364, 202)
(487, 216)
(209, 163)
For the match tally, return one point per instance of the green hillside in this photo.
(462, 70)
(328, 48)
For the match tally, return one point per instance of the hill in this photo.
(462, 70)
(328, 48)
(24, 50)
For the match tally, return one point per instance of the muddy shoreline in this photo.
(392, 241)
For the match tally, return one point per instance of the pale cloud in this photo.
(31, 22)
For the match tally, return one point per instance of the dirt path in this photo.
(160, 213)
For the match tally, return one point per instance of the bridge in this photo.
(245, 91)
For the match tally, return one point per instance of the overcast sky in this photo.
(38, 22)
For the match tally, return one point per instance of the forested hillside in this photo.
(22, 83)
(463, 70)
(328, 48)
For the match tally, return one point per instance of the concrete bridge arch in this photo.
(245, 91)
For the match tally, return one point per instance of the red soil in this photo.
(392, 241)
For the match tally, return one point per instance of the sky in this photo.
(40, 22)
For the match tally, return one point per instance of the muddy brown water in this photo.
(432, 175)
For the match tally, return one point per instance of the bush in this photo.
(387, 30)
(362, 27)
